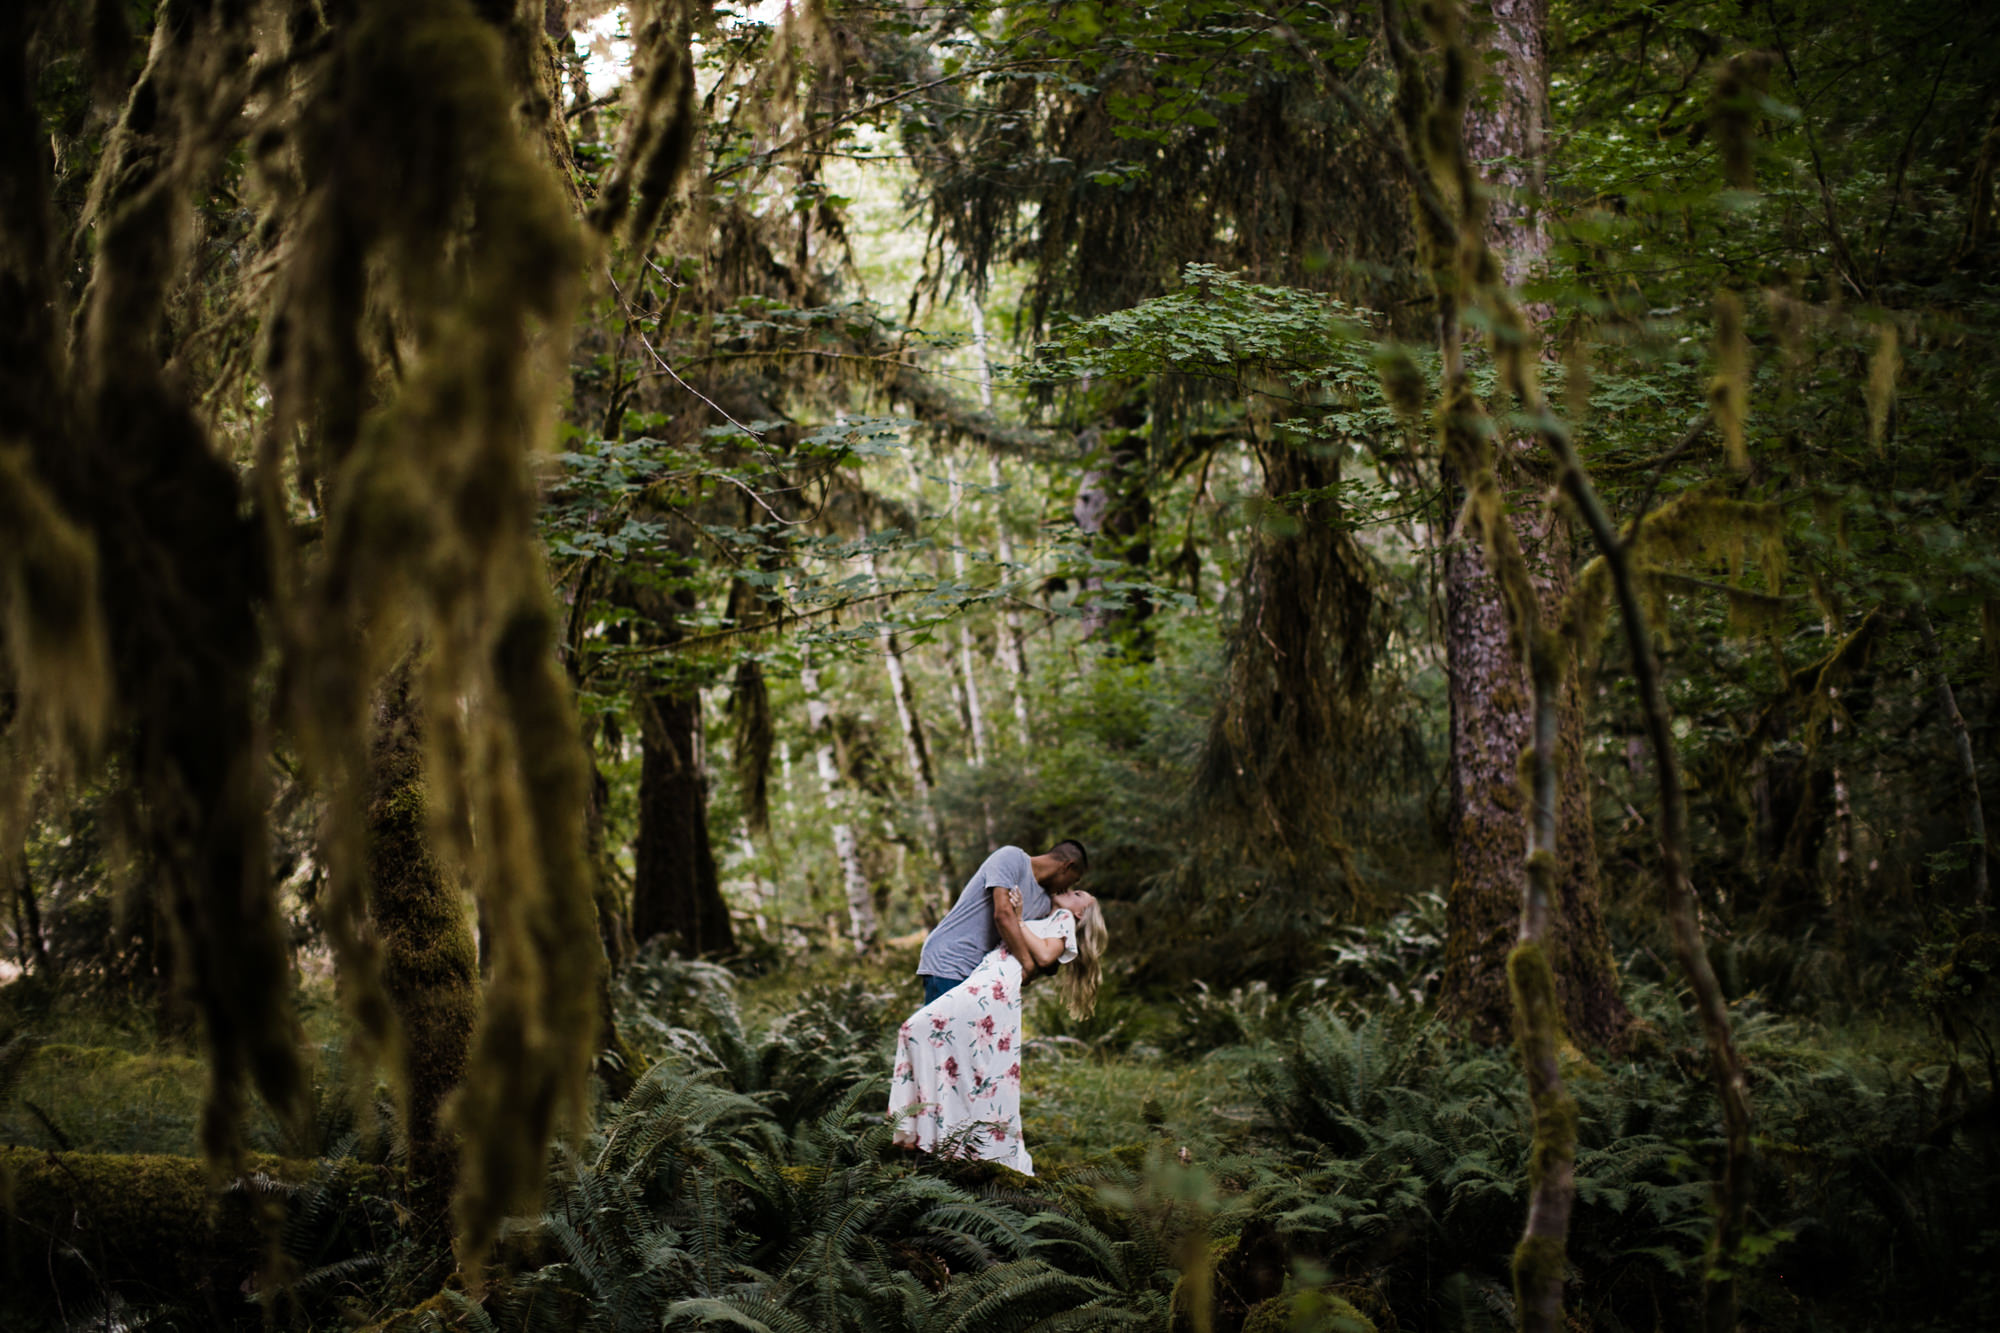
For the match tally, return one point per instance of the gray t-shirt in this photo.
(967, 933)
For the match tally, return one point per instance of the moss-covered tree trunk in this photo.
(618, 1064)
(156, 1231)
(674, 888)
(1491, 713)
(1268, 780)
(422, 921)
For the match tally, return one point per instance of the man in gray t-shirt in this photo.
(987, 913)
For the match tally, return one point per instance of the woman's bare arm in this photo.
(1043, 954)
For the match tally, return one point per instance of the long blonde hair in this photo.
(1077, 979)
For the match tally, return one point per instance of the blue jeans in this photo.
(936, 986)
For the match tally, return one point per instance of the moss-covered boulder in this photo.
(1308, 1311)
(150, 1229)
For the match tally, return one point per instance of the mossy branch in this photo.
(1464, 270)
(1732, 1189)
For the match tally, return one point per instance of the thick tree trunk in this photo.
(1491, 722)
(1490, 699)
(674, 887)
(1114, 511)
(862, 923)
(420, 917)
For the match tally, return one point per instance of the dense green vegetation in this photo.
(541, 542)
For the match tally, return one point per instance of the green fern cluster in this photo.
(796, 1067)
(694, 1207)
(1404, 1157)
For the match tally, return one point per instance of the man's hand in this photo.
(1007, 920)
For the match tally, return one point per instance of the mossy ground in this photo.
(106, 1079)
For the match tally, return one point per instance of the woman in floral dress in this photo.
(957, 1082)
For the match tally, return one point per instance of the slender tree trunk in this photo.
(968, 656)
(916, 751)
(1491, 696)
(614, 923)
(1012, 646)
(1538, 1261)
(760, 892)
(420, 917)
(861, 920)
(1013, 643)
(674, 887)
(1968, 765)
(975, 309)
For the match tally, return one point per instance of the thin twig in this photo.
(662, 362)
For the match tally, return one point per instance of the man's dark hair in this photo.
(1069, 849)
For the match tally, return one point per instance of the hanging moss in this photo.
(180, 571)
(660, 127)
(1729, 391)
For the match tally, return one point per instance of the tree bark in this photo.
(674, 887)
(1491, 713)
(975, 712)
(430, 963)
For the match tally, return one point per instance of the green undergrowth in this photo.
(1261, 1152)
(82, 1073)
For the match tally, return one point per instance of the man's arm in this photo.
(1007, 920)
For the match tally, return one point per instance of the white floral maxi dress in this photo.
(957, 1081)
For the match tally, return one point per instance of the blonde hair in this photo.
(1078, 978)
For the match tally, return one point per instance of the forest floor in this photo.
(105, 1078)
(1392, 1149)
